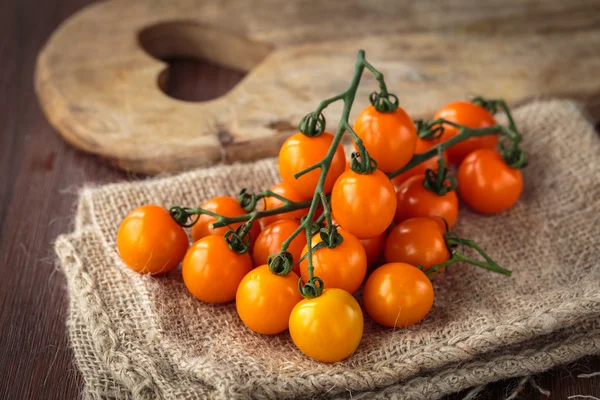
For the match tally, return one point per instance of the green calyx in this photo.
(281, 264)
(384, 102)
(512, 154)
(362, 164)
(239, 239)
(312, 124)
(312, 288)
(247, 200)
(438, 181)
(427, 130)
(182, 215)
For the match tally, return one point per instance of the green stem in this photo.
(253, 215)
(378, 76)
(464, 134)
(452, 242)
(319, 196)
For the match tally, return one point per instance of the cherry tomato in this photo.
(327, 328)
(417, 241)
(487, 184)
(226, 206)
(373, 248)
(264, 300)
(150, 241)
(432, 163)
(285, 190)
(212, 271)
(416, 201)
(299, 152)
(272, 237)
(343, 267)
(472, 116)
(364, 204)
(398, 295)
(390, 138)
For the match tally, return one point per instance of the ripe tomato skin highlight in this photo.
(390, 138)
(432, 163)
(264, 300)
(272, 237)
(299, 152)
(398, 295)
(327, 328)
(417, 241)
(363, 204)
(212, 271)
(285, 190)
(150, 241)
(343, 267)
(226, 206)
(487, 184)
(373, 248)
(416, 201)
(472, 116)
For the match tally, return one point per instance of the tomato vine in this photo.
(314, 124)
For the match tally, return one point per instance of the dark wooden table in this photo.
(39, 179)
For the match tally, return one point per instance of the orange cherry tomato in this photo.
(299, 152)
(150, 241)
(285, 190)
(390, 138)
(264, 300)
(343, 267)
(432, 163)
(373, 248)
(487, 184)
(472, 116)
(212, 271)
(416, 201)
(417, 241)
(272, 237)
(327, 328)
(364, 204)
(398, 295)
(226, 206)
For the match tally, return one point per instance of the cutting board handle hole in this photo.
(192, 49)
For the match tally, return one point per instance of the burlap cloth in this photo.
(136, 336)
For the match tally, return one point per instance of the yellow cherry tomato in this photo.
(327, 328)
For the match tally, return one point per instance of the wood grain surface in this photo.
(101, 81)
(39, 179)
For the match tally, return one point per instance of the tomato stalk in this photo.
(453, 241)
(361, 162)
(464, 133)
(314, 285)
(509, 150)
(313, 124)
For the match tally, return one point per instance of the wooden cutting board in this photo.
(99, 75)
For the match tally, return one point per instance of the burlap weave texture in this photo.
(142, 337)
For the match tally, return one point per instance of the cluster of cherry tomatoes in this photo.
(397, 225)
